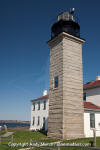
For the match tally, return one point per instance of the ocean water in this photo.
(13, 125)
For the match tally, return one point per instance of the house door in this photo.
(43, 123)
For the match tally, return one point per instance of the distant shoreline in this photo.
(14, 121)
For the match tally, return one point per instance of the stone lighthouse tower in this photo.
(66, 82)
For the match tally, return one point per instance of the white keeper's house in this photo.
(91, 102)
(92, 91)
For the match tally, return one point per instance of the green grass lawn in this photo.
(84, 140)
(24, 136)
(5, 147)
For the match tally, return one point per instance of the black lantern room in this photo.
(66, 23)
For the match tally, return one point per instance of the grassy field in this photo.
(24, 136)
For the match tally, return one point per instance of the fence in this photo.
(32, 146)
(5, 140)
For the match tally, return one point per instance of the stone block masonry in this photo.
(66, 102)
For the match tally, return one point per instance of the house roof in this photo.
(41, 98)
(90, 105)
(91, 84)
(87, 105)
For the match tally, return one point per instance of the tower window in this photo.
(33, 120)
(56, 82)
(84, 96)
(33, 106)
(38, 123)
(38, 105)
(92, 120)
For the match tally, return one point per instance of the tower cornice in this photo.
(68, 36)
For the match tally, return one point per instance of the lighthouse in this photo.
(65, 119)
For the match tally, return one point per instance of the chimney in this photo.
(97, 78)
(44, 92)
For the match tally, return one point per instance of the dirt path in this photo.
(7, 134)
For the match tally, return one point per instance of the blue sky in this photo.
(24, 54)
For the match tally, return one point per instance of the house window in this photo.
(33, 106)
(38, 123)
(92, 120)
(33, 121)
(56, 82)
(38, 105)
(44, 105)
(84, 96)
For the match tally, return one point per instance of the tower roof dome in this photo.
(66, 23)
